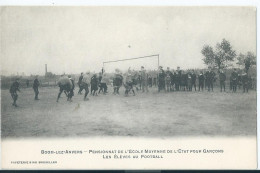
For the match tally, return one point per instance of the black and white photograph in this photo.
(135, 72)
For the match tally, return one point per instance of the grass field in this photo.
(146, 114)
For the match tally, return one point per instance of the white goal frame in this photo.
(149, 56)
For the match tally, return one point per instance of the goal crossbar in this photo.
(157, 55)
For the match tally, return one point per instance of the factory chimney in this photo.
(46, 69)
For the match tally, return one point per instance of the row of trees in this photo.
(224, 56)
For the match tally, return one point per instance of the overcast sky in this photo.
(79, 39)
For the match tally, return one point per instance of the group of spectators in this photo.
(187, 80)
(180, 80)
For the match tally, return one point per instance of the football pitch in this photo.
(152, 114)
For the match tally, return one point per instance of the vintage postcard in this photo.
(128, 87)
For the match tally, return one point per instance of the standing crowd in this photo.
(180, 80)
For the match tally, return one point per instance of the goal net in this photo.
(150, 62)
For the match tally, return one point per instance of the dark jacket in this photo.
(245, 78)
(173, 78)
(168, 75)
(80, 79)
(201, 78)
(118, 80)
(184, 79)
(94, 81)
(178, 77)
(222, 77)
(234, 76)
(193, 78)
(161, 75)
(36, 83)
(14, 87)
(210, 76)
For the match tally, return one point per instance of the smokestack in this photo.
(46, 69)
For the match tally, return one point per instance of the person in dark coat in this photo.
(173, 79)
(27, 83)
(117, 82)
(80, 83)
(222, 80)
(189, 82)
(245, 81)
(193, 79)
(138, 81)
(155, 81)
(234, 76)
(230, 83)
(178, 80)
(210, 78)
(206, 75)
(161, 79)
(201, 81)
(36, 84)
(239, 80)
(144, 79)
(184, 81)
(94, 85)
(13, 91)
(150, 80)
(101, 88)
(100, 77)
(168, 75)
(250, 82)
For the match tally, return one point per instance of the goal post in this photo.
(137, 58)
